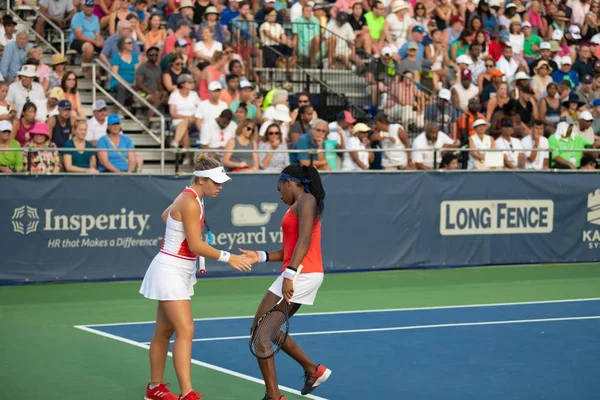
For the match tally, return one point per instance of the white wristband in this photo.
(289, 273)
(262, 256)
(224, 257)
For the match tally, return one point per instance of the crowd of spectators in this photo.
(516, 76)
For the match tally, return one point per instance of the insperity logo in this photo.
(25, 220)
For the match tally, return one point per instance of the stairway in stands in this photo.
(140, 138)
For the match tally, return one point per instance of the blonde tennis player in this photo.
(171, 277)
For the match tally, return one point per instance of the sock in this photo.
(152, 385)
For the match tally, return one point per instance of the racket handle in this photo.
(202, 265)
(300, 267)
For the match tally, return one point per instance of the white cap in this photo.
(521, 76)
(99, 105)
(545, 46)
(575, 32)
(464, 59)
(584, 115)
(5, 126)
(479, 122)
(557, 35)
(444, 94)
(245, 83)
(282, 113)
(595, 39)
(566, 60)
(526, 24)
(214, 85)
(387, 51)
(510, 5)
(216, 175)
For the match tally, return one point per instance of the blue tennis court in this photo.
(538, 350)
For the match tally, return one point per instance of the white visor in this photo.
(216, 175)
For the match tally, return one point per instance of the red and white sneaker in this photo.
(311, 381)
(191, 396)
(160, 392)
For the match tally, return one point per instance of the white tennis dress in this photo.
(172, 273)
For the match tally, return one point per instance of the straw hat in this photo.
(58, 59)
(541, 64)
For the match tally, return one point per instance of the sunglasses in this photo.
(273, 133)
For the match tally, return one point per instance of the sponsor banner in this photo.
(110, 227)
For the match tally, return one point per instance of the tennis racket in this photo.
(271, 330)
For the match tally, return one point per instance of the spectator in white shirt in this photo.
(480, 141)
(210, 109)
(507, 63)
(357, 158)
(513, 156)
(426, 147)
(340, 42)
(216, 133)
(97, 125)
(584, 126)
(391, 137)
(535, 140)
(8, 33)
(26, 90)
(183, 103)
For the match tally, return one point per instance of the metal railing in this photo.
(30, 28)
(98, 86)
(330, 101)
(313, 152)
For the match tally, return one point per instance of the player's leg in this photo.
(291, 348)
(267, 367)
(179, 314)
(159, 346)
(314, 374)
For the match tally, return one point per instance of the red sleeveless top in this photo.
(175, 242)
(313, 261)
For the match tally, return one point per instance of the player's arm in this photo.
(275, 255)
(165, 214)
(190, 215)
(262, 256)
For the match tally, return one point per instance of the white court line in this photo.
(407, 328)
(376, 311)
(200, 363)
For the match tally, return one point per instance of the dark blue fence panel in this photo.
(109, 227)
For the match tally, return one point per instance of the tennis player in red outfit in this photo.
(300, 188)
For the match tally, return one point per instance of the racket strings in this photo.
(270, 334)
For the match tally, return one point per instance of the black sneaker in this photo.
(311, 381)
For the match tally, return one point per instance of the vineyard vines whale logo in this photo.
(25, 220)
(249, 215)
(593, 203)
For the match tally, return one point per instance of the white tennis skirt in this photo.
(169, 278)
(305, 289)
